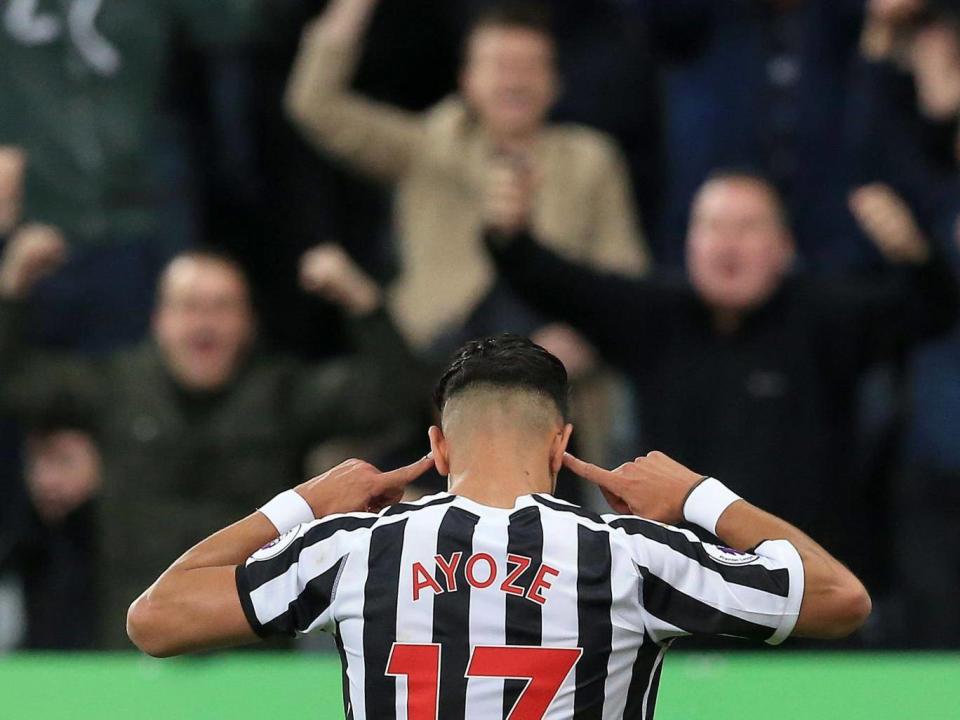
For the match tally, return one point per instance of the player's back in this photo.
(445, 608)
(458, 597)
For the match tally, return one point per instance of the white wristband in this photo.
(287, 510)
(706, 504)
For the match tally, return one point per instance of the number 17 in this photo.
(544, 668)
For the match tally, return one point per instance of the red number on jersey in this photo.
(421, 665)
(545, 668)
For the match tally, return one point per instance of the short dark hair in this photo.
(752, 174)
(508, 361)
(535, 16)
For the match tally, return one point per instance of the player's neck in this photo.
(497, 479)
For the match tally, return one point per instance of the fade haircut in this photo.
(523, 14)
(758, 177)
(504, 361)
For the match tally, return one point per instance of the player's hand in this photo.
(34, 252)
(508, 194)
(653, 487)
(889, 223)
(63, 471)
(357, 486)
(328, 271)
(12, 165)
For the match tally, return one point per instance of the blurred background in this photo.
(239, 237)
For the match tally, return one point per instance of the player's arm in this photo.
(834, 603)
(373, 137)
(195, 605)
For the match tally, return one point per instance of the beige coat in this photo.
(437, 161)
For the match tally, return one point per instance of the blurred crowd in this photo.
(238, 236)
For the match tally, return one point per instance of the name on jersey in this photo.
(480, 571)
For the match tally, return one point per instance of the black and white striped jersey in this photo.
(444, 608)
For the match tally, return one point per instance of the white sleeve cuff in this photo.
(784, 552)
(706, 504)
(287, 510)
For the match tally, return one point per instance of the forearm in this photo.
(322, 70)
(196, 605)
(347, 20)
(835, 603)
(185, 610)
(372, 137)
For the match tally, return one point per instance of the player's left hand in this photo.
(358, 486)
(654, 487)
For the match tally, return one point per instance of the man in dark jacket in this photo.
(194, 426)
(744, 367)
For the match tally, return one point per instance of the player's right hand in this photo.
(654, 487)
(358, 486)
(34, 252)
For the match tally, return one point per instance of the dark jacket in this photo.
(769, 409)
(179, 466)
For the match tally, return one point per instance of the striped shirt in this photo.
(444, 608)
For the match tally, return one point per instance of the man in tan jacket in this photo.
(440, 162)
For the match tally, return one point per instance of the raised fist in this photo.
(889, 223)
(508, 194)
(329, 272)
(935, 60)
(33, 252)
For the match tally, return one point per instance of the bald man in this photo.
(195, 425)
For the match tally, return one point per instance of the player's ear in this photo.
(559, 447)
(438, 446)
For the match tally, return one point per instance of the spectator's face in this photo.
(738, 248)
(204, 321)
(510, 79)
